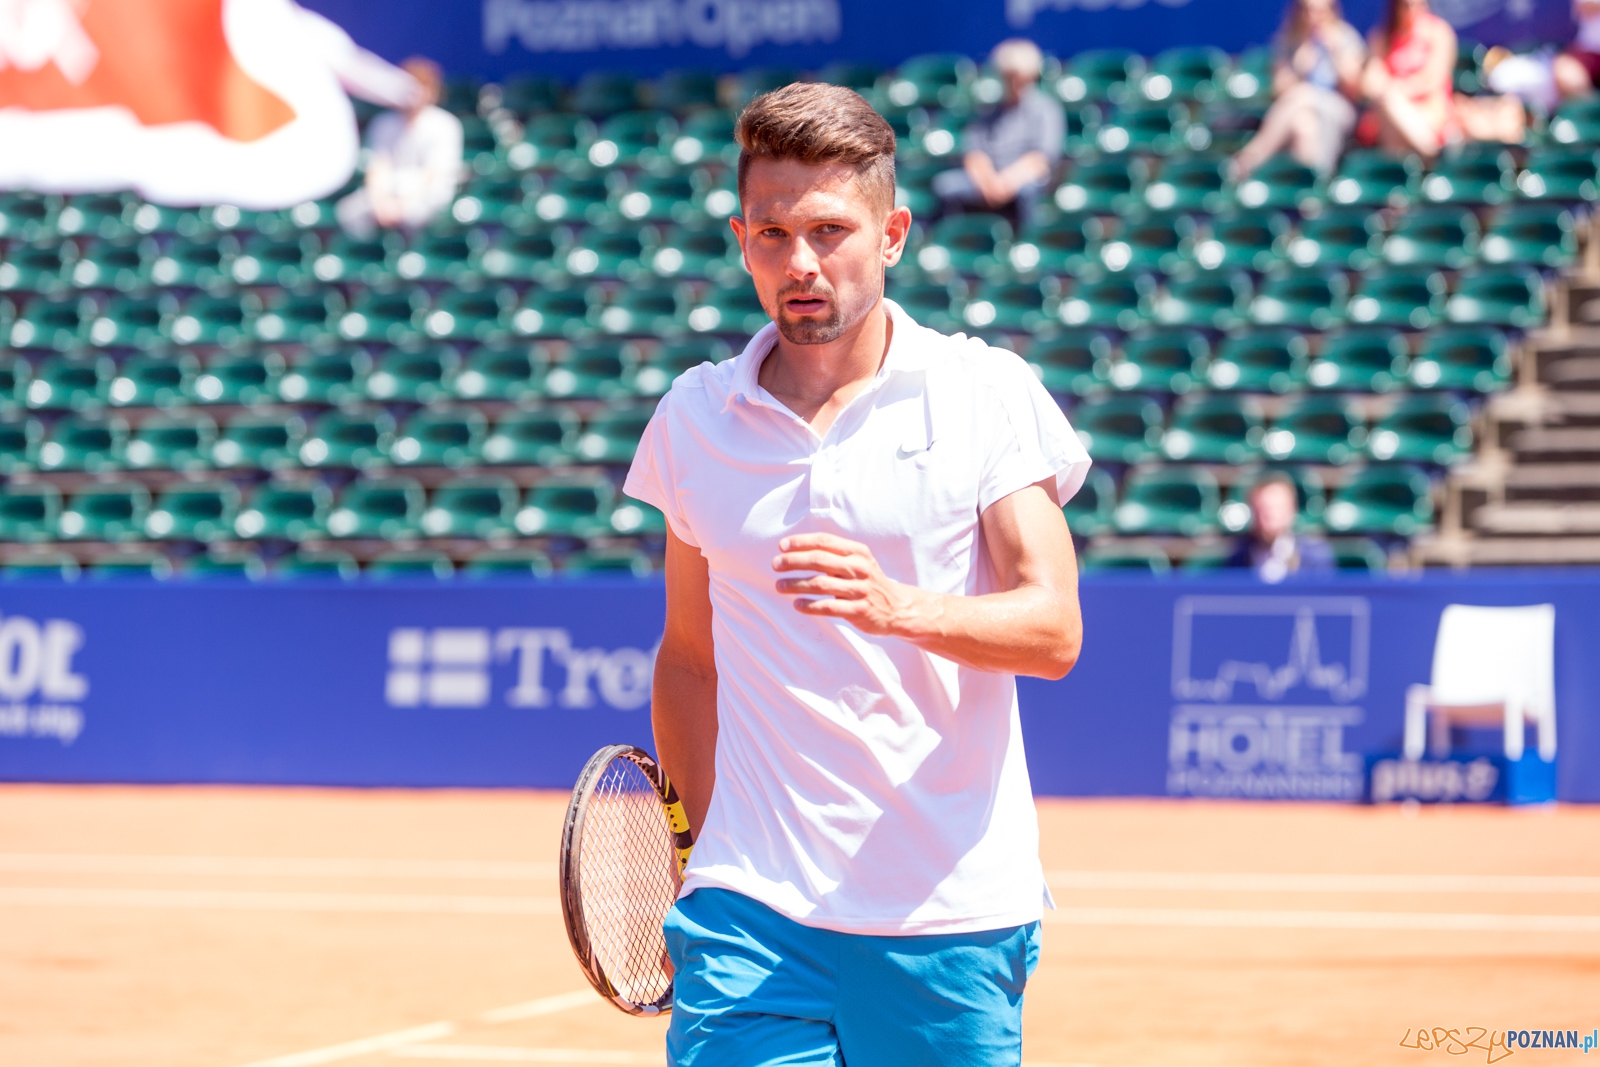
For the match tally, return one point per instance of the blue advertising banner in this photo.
(1195, 687)
(497, 38)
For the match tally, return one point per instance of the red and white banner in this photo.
(185, 101)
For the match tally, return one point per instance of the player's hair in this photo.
(817, 124)
(428, 75)
(1017, 55)
(1275, 477)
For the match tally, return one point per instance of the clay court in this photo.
(208, 927)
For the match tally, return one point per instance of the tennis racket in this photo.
(623, 850)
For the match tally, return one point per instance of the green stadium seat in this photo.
(698, 250)
(410, 563)
(1250, 74)
(469, 314)
(1055, 244)
(80, 442)
(1185, 74)
(265, 441)
(102, 265)
(1089, 511)
(937, 138)
(971, 245)
(34, 268)
(529, 94)
(538, 437)
(1187, 183)
(727, 312)
(193, 264)
(1098, 74)
(153, 381)
(654, 198)
(20, 436)
(502, 370)
(1113, 302)
(1169, 500)
(1259, 361)
(612, 436)
(483, 507)
(654, 375)
(314, 564)
(1142, 127)
(1406, 298)
(194, 511)
(1101, 186)
(1423, 428)
(41, 565)
(289, 509)
(247, 378)
(508, 563)
(1121, 557)
(1230, 124)
(1468, 74)
(377, 315)
(225, 562)
(929, 303)
(568, 505)
(1211, 299)
(934, 80)
(440, 437)
(49, 322)
(1280, 183)
(1498, 296)
(1384, 499)
(606, 560)
(176, 441)
(1532, 234)
(348, 259)
(1444, 237)
(640, 310)
(551, 312)
(1476, 173)
(478, 143)
(29, 512)
(297, 318)
(716, 197)
(852, 74)
(135, 321)
(309, 216)
(1367, 360)
(127, 564)
(913, 186)
(1474, 358)
(220, 220)
(416, 375)
(69, 383)
(1159, 360)
(1316, 429)
(1072, 362)
(108, 511)
(1305, 299)
(1245, 240)
(15, 374)
(1146, 241)
(549, 141)
(606, 92)
(636, 518)
(575, 197)
(1359, 554)
(1119, 429)
(494, 201)
(1345, 238)
(1561, 174)
(682, 91)
(513, 255)
(1369, 178)
(632, 138)
(27, 216)
(271, 260)
(435, 256)
(329, 378)
(1017, 307)
(354, 437)
(1214, 428)
(390, 508)
(593, 370)
(207, 320)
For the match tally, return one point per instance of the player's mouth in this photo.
(805, 305)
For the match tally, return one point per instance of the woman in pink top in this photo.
(1409, 80)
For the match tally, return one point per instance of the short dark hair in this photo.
(817, 124)
(1275, 477)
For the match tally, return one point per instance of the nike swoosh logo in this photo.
(904, 453)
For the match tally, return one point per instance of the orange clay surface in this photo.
(224, 927)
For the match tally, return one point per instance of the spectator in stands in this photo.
(1410, 81)
(1316, 77)
(1011, 150)
(1577, 69)
(1271, 548)
(413, 162)
(1544, 79)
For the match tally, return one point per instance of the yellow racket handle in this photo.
(678, 819)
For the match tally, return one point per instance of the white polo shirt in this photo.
(863, 784)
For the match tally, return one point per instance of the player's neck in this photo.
(816, 382)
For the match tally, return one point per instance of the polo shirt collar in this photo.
(906, 355)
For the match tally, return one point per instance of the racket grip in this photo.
(678, 819)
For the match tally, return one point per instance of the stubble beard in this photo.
(810, 331)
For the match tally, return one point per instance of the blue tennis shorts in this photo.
(753, 987)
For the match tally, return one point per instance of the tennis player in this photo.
(866, 546)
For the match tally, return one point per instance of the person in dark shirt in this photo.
(1009, 151)
(1271, 547)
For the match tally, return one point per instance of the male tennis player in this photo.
(865, 547)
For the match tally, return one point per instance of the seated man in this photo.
(1010, 150)
(1272, 548)
(413, 164)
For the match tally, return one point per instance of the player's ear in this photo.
(739, 233)
(896, 230)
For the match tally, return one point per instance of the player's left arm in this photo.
(1031, 625)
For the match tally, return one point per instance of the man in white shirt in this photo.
(865, 546)
(413, 162)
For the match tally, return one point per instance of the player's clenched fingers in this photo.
(823, 585)
(824, 541)
(831, 606)
(826, 562)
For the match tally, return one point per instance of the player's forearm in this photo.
(683, 714)
(1032, 630)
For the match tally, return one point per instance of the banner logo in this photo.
(735, 26)
(450, 667)
(38, 689)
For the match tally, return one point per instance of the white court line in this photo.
(1325, 920)
(578, 998)
(1187, 881)
(514, 1054)
(244, 900)
(272, 866)
(364, 1047)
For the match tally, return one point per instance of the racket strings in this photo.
(627, 881)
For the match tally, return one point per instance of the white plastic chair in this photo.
(1490, 666)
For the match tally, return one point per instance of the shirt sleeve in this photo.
(1052, 129)
(651, 477)
(975, 138)
(1032, 439)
